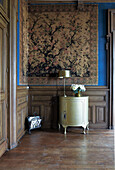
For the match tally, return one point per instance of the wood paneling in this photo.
(98, 107)
(22, 110)
(44, 101)
(4, 5)
(44, 106)
(3, 79)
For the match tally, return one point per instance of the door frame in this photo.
(111, 66)
(12, 120)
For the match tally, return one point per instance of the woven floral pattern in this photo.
(23, 41)
(59, 37)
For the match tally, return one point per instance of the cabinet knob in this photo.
(65, 116)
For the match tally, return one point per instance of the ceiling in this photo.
(79, 1)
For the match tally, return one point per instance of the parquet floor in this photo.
(53, 150)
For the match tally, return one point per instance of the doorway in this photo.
(111, 65)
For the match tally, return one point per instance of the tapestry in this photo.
(59, 37)
(23, 41)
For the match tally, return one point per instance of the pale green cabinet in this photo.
(73, 111)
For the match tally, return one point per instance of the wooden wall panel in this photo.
(3, 77)
(4, 6)
(98, 107)
(44, 101)
(101, 116)
(1, 121)
(42, 105)
(90, 115)
(22, 110)
(19, 121)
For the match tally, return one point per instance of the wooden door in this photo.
(111, 64)
(3, 79)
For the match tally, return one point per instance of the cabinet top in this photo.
(72, 97)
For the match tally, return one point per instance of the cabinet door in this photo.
(75, 112)
(3, 85)
(62, 111)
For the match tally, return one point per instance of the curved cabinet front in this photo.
(73, 111)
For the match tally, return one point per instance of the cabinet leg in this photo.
(87, 127)
(84, 131)
(65, 130)
(59, 126)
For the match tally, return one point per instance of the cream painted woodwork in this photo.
(22, 110)
(3, 78)
(73, 111)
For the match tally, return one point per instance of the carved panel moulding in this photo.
(4, 5)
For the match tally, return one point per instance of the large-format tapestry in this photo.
(23, 41)
(59, 37)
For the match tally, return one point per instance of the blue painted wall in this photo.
(102, 32)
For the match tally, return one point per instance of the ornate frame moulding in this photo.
(4, 5)
(55, 37)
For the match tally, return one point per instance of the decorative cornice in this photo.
(3, 14)
(64, 1)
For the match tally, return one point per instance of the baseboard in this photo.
(14, 145)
